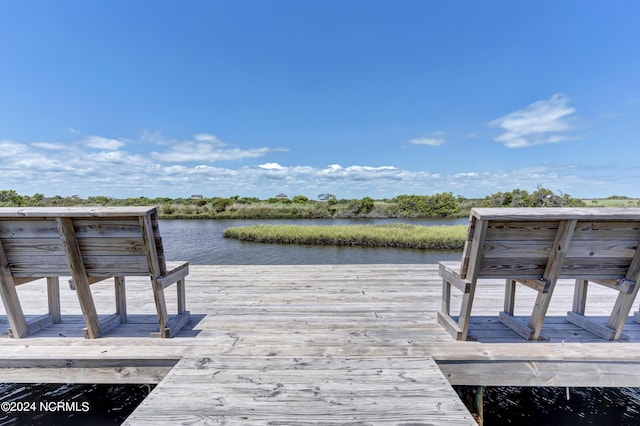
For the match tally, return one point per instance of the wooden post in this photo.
(473, 399)
(121, 298)
(10, 298)
(80, 279)
(154, 268)
(580, 296)
(551, 273)
(510, 296)
(53, 298)
(472, 275)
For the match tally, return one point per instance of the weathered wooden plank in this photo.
(305, 326)
(558, 213)
(593, 249)
(10, 298)
(604, 268)
(45, 228)
(101, 266)
(536, 231)
(297, 389)
(107, 211)
(79, 274)
(541, 373)
(551, 273)
(27, 228)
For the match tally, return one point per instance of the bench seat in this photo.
(90, 245)
(535, 247)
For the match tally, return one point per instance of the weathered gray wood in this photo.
(327, 326)
(10, 298)
(558, 213)
(53, 298)
(121, 297)
(336, 390)
(156, 272)
(536, 247)
(510, 296)
(551, 273)
(580, 296)
(472, 275)
(90, 244)
(627, 288)
(79, 274)
(88, 212)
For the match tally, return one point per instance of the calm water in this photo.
(201, 242)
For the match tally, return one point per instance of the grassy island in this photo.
(387, 235)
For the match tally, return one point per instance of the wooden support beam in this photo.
(449, 273)
(79, 274)
(509, 296)
(627, 291)
(624, 301)
(518, 325)
(53, 298)
(472, 277)
(121, 298)
(446, 297)
(10, 298)
(450, 325)
(182, 296)
(622, 285)
(580, 296)
(539, 285)
(156, 273)
(551, 273)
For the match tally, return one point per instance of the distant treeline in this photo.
(440, 205)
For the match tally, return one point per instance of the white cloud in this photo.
(537, 124)
(9, 149)
(211, 139)
(100, 142)
(42, 167)
(427, 141)
(332, 168)
(203, 147)
(50, 146)
(272, 166)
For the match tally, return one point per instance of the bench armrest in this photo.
(176, 274)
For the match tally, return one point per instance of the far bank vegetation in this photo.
(441, 205)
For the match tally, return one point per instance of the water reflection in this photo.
(201, 243)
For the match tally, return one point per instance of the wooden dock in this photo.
(329, 344)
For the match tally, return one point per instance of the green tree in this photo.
(10, 198)
(366, 205)
(442, 205)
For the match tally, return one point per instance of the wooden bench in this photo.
(536, 247)
(89, 245)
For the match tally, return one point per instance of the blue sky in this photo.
(355, 98)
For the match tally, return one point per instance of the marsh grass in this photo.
(386, 235)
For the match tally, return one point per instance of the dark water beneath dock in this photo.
(201, 242)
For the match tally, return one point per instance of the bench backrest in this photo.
(111, 241)
(597, 243)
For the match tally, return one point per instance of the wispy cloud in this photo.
(100, 142)
(207, 148)
(272, 166)
(427, 141)
(131, 170)
(539, 123)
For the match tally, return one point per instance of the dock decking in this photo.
(303, 344)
